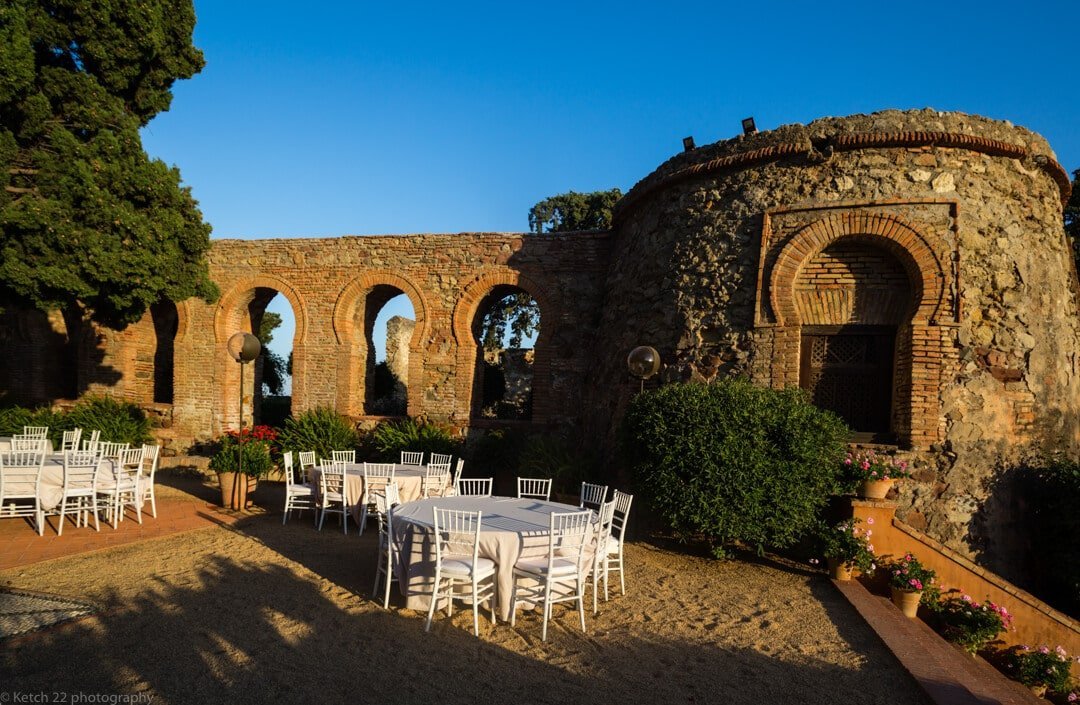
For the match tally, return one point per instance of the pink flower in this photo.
(915, 583)
(847, 461)
(873, 567)
(868, 533)
(865, 465)
(966, 598)
(870, 520)
(870, 547)
(1044, 649)
(1071, 698)
(1060, 652)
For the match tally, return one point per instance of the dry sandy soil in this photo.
(272, 613)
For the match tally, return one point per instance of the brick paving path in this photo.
(947, 674)
(184, 506)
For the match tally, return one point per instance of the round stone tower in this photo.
(909, 269)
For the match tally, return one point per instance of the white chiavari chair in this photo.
(376, 477)
(457, 562)
(345, 456)
(534, 488)
(474, 486)
(592, 496)
(384, 507)
(82, 470)
(298, 495)
(333, 492)
(409, 457)
(558, 576)
(151, 453)
(20, 483)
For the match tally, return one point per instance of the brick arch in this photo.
(351, 392)
(241, 294)
(354, 291)
(465, 311)
(920, 341)
(892, 234)
(227, 321)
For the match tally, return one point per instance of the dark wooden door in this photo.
(849, 371)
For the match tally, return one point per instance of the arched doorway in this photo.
(166, 322)
(854, 298)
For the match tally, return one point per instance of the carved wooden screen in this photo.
(849, 371)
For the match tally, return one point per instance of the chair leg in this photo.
(475, 607)
(285, 514)
(434, 601)
(322, 516)
(138, 507)
(513, 602)
(153, 503)
(94, 509)
(386, 593)
(547, 609)
(622, 573)
(63, 513)
(581, 601)
(363, 516)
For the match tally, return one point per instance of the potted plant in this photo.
(873, 474)
(908, 579)
(847, 547)
(969, 624)
(241, 459)
(1043, 669)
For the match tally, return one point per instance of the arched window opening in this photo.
(274, 324)
(505, 328)
(855, 301)
(389, 322)
(166, 320)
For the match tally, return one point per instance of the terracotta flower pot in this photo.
(907, 600)
(839, 570)
(874, 489)
(1038, 690)
(234, 492)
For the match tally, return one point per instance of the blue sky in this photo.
(334, 118)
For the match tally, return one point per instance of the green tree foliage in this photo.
(517, 312)
(85, 215)
(275, 370)
(1072, 216)
(574, 211)
(734, 463)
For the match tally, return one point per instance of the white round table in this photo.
(409, 478)
(509, 529)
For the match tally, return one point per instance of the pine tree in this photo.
(87, 219)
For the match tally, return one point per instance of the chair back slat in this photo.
(570, 532)
(534, 488)
(621, 514)
(36, 431)
(440, 459)
(475, 486)
(332, 477)
(347, 456)
(409, 457)
(82, 470)
(457, 533)
(592, 496)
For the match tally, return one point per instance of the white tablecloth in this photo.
(409, 479)
(509, 529)
(52, 481)
(5, 445)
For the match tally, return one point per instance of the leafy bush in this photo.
(497, 451)
(967, 623)
(555, 456)
(321, 430)
(118, 421)
(731, 462)
(908, 573)
(391, 437)
(1052, 494)
(1041, 666)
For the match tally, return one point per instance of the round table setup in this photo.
(510, 529)
(409, 479)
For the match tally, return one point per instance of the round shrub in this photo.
(321, 430)
(731, 462)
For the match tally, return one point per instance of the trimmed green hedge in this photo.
(731, 462)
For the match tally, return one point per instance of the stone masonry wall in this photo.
(327, 282)
(712, 253)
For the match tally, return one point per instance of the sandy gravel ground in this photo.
(267, 613)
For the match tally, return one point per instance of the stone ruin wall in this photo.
(335, 287)
(991, 341)
(716, 259)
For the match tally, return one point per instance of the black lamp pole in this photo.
(243, 347)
